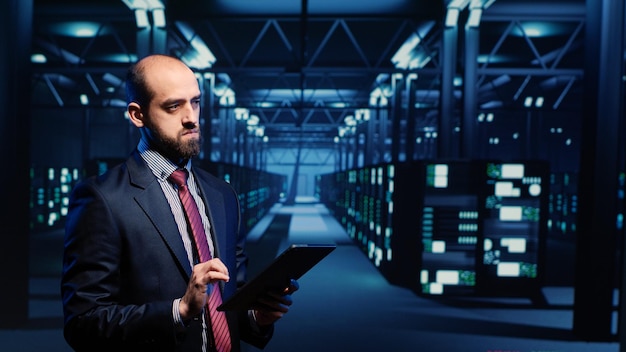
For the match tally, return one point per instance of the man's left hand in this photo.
(272, 306)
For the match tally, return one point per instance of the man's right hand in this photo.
(202, 275)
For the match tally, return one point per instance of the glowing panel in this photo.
(534, 190)
(447, 277)
(441, 170)
(515, 245)
(508, 269)
(439, 246)
(487, 244)
(378, 256)
(424, 276)
(512, 171)
(436, 288)
(510, 213)
(441, 181)
(506, 189)
(371, 247)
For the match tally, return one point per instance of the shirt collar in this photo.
(160, 166)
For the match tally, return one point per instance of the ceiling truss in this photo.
(336, 62)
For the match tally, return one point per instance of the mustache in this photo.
(191, 125)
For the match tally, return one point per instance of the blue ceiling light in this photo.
(144, 4)
(492, 104)
(158, 17)
(64, 54)
(85, 32)
(403, 55)
(474, 18)
(141, 18)
(198, 56)
(142, 8)
(119, 58)
(378, 97)
(241, 114)
(227, 98)
(154, 4)
(265, 104)
(452, 17)
(338, 105)
(410, 55)
(78, 29)
(476, 9)
(115, 102)
(538, 29)
(112, 79)
(350, 121)
(528, 102)
(453, 12)
(501, 80)
(38, 58)
(492, 59)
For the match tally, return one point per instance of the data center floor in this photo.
(344, 303)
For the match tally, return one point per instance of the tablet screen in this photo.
(294, 262)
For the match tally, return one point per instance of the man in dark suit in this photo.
(132, 277)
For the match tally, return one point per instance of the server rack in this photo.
(459, 227)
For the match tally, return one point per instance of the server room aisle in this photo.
(344, 304)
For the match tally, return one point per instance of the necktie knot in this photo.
(179, 177)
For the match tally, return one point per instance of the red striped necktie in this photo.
(219, 325)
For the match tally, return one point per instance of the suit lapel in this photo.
(155, 206)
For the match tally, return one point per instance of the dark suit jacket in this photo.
(124, 263)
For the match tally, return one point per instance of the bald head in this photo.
(164, 102)
(139, 76)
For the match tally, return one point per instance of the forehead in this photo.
(169, 79)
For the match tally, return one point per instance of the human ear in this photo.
(135, 114)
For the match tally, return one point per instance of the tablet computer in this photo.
(292, 263)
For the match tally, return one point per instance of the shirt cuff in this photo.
(256, 329)
(178, 321)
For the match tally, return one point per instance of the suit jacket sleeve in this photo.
(123, 265)
(100, 310)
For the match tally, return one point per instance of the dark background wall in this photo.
(15, 27)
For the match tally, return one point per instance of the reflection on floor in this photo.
(344, 304)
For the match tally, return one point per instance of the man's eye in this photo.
(173, 106)
(196, 102)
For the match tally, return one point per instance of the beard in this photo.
(173, 148)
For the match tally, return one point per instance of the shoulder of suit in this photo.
(211, 180)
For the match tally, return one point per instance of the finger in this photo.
(212, 265)
(212, 271)
(293, 287)
(276, 301)
(217, 265)
(215, 276)
(270, 305)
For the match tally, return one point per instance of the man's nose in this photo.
(189, 115)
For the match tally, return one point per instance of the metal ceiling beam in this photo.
(517, 71)
(369, 63)
(339, 24)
